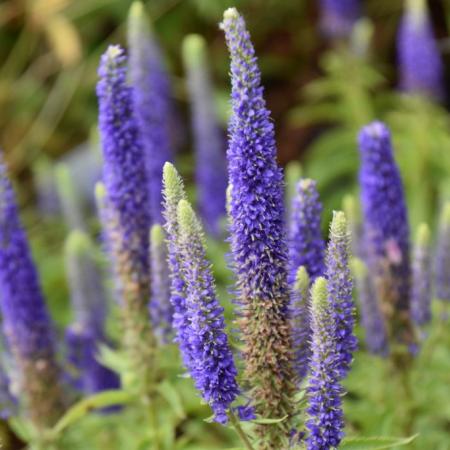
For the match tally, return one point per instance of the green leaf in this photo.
(113, 359)
(172, 397)
(264, 421)
(83, 407)
(21, 428)
(374, 443)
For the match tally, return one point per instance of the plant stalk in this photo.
(237, 426)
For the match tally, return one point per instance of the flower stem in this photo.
(237, 426)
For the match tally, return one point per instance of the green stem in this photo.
(237, 426)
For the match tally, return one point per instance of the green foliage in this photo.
(350, 94)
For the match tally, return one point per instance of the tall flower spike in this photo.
(173, 192)
(26, 322)
(151, 102)
(421, 67)
(89, 306)
(161, 310)
(125, 211)
(211, 169)
(325, 420)
(442, 257)
(421, 279)
(340, 287)
(386, 228)
(306, 246)
(69, 198)
(339, 16)
(214, 372)
(300, 323)
(371, 317)
(257, 237)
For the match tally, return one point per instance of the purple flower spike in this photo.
(306, 246)
(340, 287)
(300, 323)
(371, 317)
(82, 354)
(421, 280)
(211, 168)
(124, 210)
(421, 67)
(386, 228)
(257, 237)
(339, 16)
(173, 193)
(214, 372)
(26, 322)
(161, 310)
(151, 102)
(325, 420)
(442, 257)
(89, 306)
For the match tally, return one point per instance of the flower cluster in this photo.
(173, 193)
(386, 228)
(151, 99)
(210, 172)
(125, 209)
(340, 287)
(306, 246)
(421, 68)
(258, 246)
(87, 330)
(213, 368)
(371, 317)
(339, 16)
(25, 320)
(325, 418)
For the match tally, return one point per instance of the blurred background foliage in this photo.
(320, 94)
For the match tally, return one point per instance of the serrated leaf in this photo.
(263, 421)
(83, 407)
(172, 397)
(374, 443)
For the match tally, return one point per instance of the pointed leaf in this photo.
(264, 421)
(172, 397)
(80, 409)
(374, 443)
